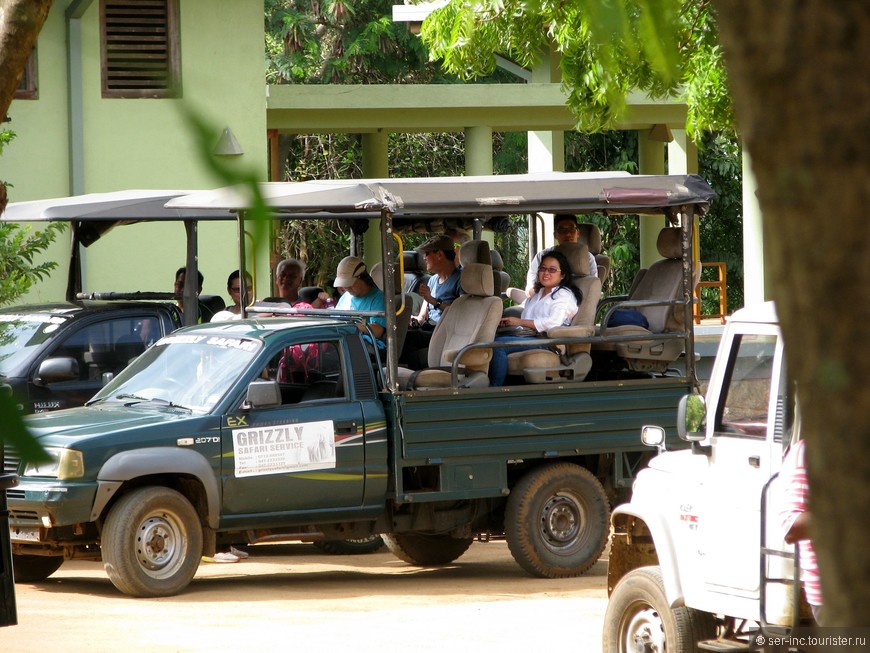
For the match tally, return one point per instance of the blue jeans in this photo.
(498, 366)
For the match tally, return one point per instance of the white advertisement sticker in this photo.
(283, 448)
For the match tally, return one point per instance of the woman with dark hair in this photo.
(553, 303)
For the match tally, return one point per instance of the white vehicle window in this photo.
(746, 397)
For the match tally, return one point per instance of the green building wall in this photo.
(144, 143)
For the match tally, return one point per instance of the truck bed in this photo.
(463, 442)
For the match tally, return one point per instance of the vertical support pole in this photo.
(244, 300)
(389, 265)
(190, 295)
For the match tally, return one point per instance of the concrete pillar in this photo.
(546, 148)
(651, 161)
(478, 158)
(375, 165)
(683, 160)
(478, 150)
(754, 283)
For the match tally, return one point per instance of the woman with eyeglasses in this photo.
(234, 289)
(566, 229)
(554, 302)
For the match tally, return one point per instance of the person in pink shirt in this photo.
(796, 519)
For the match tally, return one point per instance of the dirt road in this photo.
(293, 598)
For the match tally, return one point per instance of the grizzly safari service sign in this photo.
(283, 448)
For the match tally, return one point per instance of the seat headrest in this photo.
(591, 235)
(668, 243)
(413, 261)
(578, 257)
(377, 273)
(497, 261)
(475, 251)
(477, 279)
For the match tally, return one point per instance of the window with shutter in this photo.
(140, 49)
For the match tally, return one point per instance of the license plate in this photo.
(19, 534)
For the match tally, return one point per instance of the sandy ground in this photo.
(293, 598)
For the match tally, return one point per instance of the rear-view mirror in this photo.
(692, 418)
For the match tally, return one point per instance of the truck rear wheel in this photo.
(33, 569)
(357, 546)
(557, 520)
(427, 549)
(638, 618)
(152, 542)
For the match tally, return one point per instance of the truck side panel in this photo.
(466, 438)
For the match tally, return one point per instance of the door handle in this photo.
(755, 461)
(346, 427)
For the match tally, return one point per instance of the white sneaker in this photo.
(226, 557)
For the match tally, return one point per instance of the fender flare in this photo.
(664, 547)
(128, 465)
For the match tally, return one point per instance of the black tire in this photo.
(33, 569)
(638, 618)
(427, 549)
(358, 546)
(557, 520)
(152, 542)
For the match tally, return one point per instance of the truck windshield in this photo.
(189, 371)
(21, 334)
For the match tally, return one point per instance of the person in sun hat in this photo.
(361, 294)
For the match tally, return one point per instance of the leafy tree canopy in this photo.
(665, 48)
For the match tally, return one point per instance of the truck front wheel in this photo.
(152, 542)
(557, 521)
(33, 569)
(638, 618)
(427, 549)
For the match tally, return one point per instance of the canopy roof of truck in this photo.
(470, 197)
(118, 207)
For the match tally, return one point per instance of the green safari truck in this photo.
(291, 427)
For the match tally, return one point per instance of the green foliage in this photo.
(665, 48)
(336, 41)
(19, 245)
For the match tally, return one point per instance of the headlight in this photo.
(64, 463)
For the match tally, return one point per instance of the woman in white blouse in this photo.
(553, 303)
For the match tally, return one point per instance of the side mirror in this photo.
(263, 393)
(653, 436)
(692, 418)
(61, 368)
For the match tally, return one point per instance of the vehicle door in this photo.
(307, 453)
(100, 347)
(752, 412)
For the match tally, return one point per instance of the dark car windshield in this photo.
(21, 334)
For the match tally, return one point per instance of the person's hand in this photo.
(426, 294)
(510, 321)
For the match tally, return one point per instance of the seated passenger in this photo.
(234, 289)
(443, 286)
(361, 294)
(554, 302)
(565, 230)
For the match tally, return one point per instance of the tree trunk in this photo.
(20, 22)
(799, 72)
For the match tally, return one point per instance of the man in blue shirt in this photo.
(444, 284)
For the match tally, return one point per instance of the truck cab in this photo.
(685, 563)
